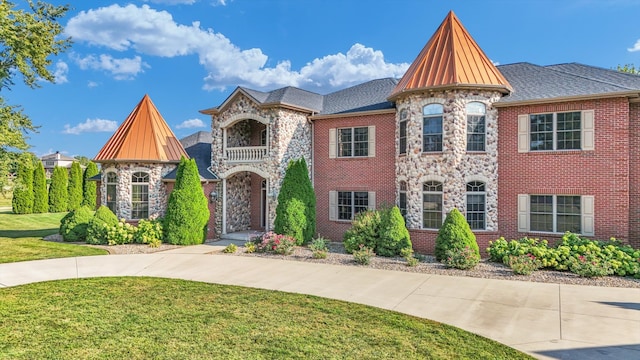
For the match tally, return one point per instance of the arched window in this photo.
(112, 191)
(476, 126)
(404, 117)
(139, 195)
(402, 199)
(432, 205)
(432, 128)
(476, 208)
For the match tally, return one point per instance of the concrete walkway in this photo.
(548, 321)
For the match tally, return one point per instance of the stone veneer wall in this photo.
(289, 137)
(454, 166)
(157, 189)
(239, 202)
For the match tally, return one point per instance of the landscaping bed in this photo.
(428, 265)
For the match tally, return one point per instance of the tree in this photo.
(185, 221)
(75, 186)
(22, 202)
(455, 234)
(40, 195)
(628, 68)
(89, 192)
(296, 187)
(28, 37)
(83, 160)
(58, 194)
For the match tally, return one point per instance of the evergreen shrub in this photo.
(455, 234)
(382, 230)
(40, 195)
(89, 187)
(74, 186)
(102, 220)
(22, 202)
(73, 226)
(58, 195)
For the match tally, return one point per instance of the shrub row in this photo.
(383, 231)
(582, 256)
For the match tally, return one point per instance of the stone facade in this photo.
(454, 166)
(158, 194)
(288, 137)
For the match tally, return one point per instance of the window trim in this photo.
(484, 120)
(586, 214)
(404, 122)
(143, 184)
(109, 184)
(441, 133)
(441, 193)
(484, 197)
(333, 203)
(334, 144)
(587, 132)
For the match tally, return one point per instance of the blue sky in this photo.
(189, 55)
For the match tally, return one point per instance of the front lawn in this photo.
(21, 238)
(150, 318)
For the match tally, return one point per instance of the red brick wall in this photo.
(634, 174)
(353, 174)
(603, 173)
(207, 189)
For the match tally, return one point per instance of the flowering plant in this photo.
(524, 264)
(120, 233)
(363, 255)
(276, 243)
(589, 265)
(463, 259)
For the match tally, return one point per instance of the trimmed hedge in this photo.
(455, 234)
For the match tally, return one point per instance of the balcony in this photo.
(246, 154)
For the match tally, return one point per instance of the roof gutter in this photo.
(501, 88)
(352, 114)
(632, 95)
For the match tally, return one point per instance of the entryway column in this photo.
(224, 206)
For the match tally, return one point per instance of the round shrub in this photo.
(364, 231)
(73, 226)
(102, 220)
(149, 232)
(455, 234)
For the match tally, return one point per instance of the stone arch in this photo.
(476, 177)
(432, 177)
(243, 116)
(241, 168)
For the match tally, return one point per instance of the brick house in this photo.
(520, 149)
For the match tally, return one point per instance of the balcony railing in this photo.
(246, 154)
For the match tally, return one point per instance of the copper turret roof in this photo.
(450, 59)
(143, 136)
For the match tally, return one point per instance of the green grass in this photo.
(21, 238)
(149, 318)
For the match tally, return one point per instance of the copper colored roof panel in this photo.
(451, 58)
(143, 136)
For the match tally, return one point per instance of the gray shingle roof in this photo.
(198, 147)
(534, 82)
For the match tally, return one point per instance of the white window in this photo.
(344, 205)
(556, 213)
(432, 128)
(476, 126)
(402, 199)
(572, 130)
(112, 193)
(352, 142)
(432, 205)
(476, 205)
(139, 195)
(404, 118)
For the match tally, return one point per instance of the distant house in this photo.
(52, 160)
(520, 149)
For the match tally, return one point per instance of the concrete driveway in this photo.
(548, 321)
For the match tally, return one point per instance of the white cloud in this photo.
(155, 33)
(60, 74)
(635, 47)
(121, 69)
(173, 2)
(92, 84)
(191, 123)
(91, 125)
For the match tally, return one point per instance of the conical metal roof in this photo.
(143, 136)
(450, 59)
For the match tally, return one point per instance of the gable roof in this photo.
(534, 83)
(57, 156)
(143, 136)
(288, 96)
(451, 58)
(368, 96)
